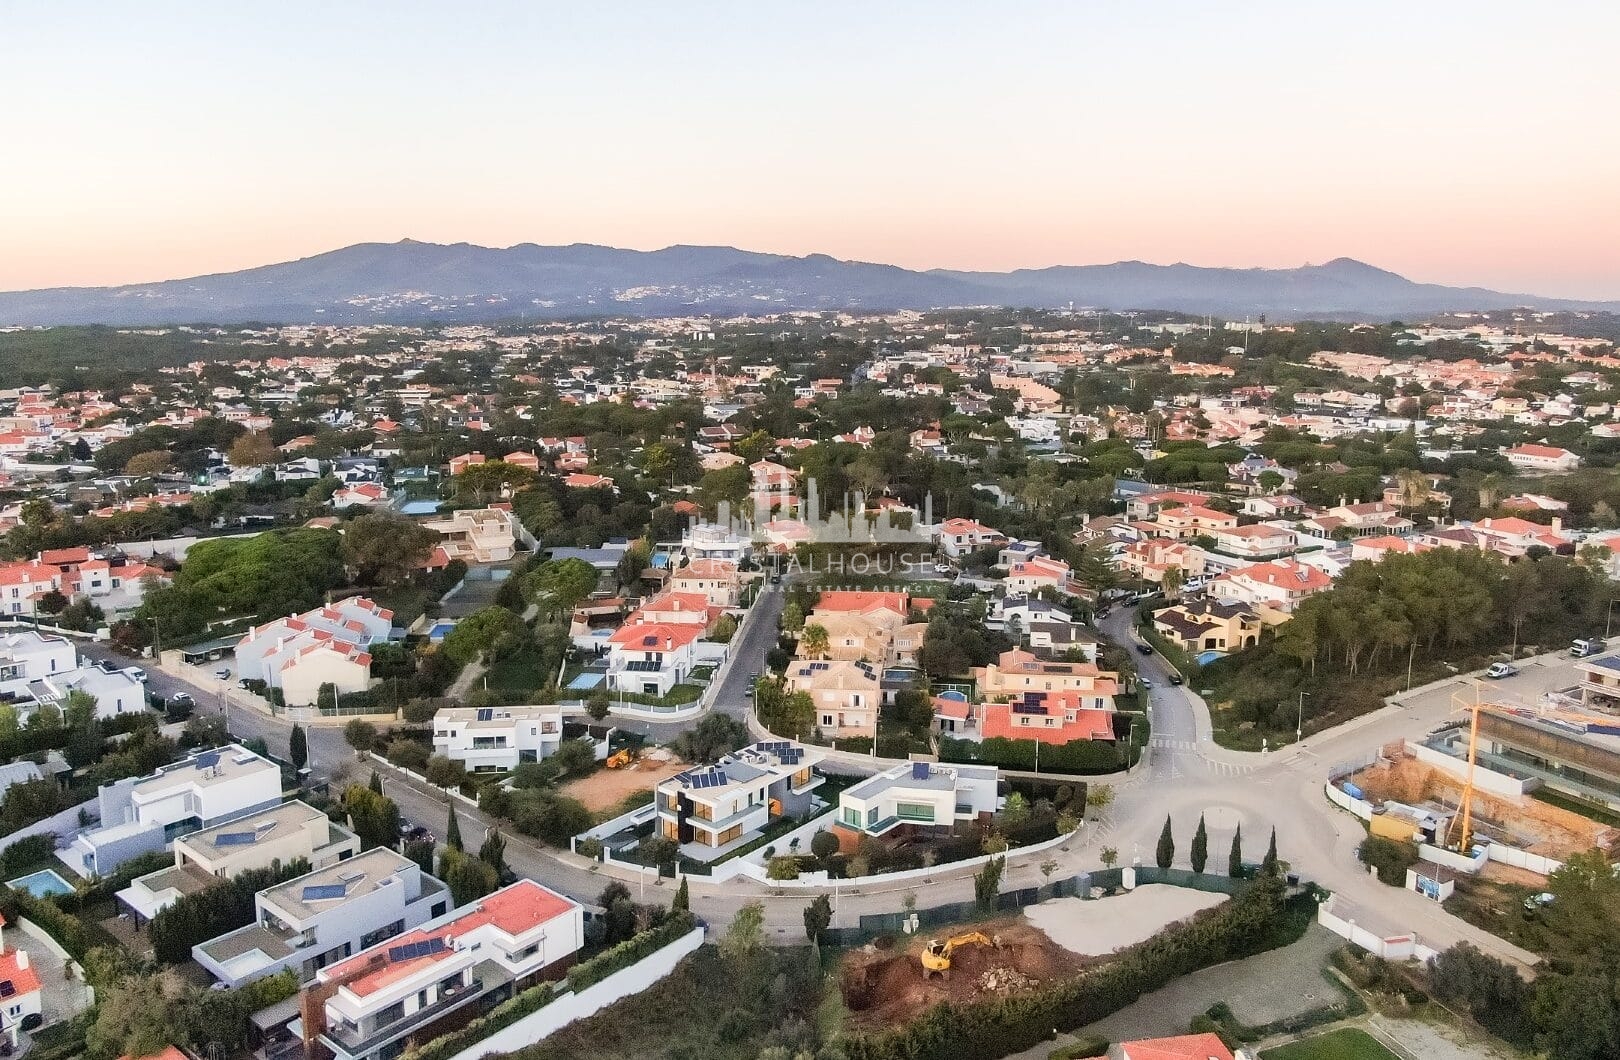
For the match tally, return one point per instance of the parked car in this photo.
(1177, 679)
(223, 673)
(1499, 670)
(1145, 649)
(136, 672)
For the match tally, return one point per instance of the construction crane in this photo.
(936, 956)
(1466, 806)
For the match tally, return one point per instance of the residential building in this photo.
(650, 658)
(28, 655)
(292, 831)
(474, 535)
(1209, 625)
(483, 738)
(325, 916)
(959, 537)
(847, 695)
(20, 993)
(415, 987)
(1189, 521)
(1277, 587)
(1182, 1047)
(919, 797)
(1514, 537)
(1048, 717)
(1042, 572)
(1541, 458)
(716, 579)
(304, 653)
(712, 809)
(1259, 541)
(143, 814)
(1016, 672)
(23, 585)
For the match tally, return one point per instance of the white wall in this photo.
(570, 1007)
(1485, 780)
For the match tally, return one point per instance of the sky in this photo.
(1464, 143)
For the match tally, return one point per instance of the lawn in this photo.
(1346, 1043)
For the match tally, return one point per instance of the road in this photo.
(1186, 776)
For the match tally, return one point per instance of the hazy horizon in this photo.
(1456, 144)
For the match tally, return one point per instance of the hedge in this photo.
(630, 951)
(1080, 757)
(1256, 920)
(1082, 1048)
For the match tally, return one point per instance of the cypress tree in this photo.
(1269, 865)
(1166, 854)
(298, 748)
(683, 900)
(1200, 846)
(376, 782)
(452, 833)
(1234, 860)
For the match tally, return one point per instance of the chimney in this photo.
(22, 958)
(669, 643)
(1557, 523)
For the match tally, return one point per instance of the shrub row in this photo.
(1078, 756)
(629, 951)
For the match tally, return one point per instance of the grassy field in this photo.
(1346, 1043)
(518, 673)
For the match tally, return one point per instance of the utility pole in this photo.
(1299, 726)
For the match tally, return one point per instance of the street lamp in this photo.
(1299, 726)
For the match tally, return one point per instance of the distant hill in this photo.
(411, 281)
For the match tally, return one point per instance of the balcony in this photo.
(347, 1039)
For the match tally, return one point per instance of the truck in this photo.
(1585, 646)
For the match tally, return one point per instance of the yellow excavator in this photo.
(620, 759)
(936, 956)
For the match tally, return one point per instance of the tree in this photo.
(824, 844)
(468, 878)
(493, 851)
(987, 884)
(746, 934)
(682, 902)
(598, 703)
(1165, 855)
(814, 642)
(375, 783)
(360, 735)
(1269, 865)
(375, 818)
(1234, 860)
(1099, 797)
(132, 1020)
(148, 464)
(386, 549)
(725, 627)
(792, 617)
(618, 913)
(452, 831)
(421, 852)
(817, 918)
(298, 748)
(1109, 857)
(253, 449)
(1199, 855)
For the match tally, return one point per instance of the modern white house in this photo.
(326, 916)
(443, 974)
(301, 654)
(711, 809)
(28, 655)
(650, 658)
(20, 993)
(919, 795)
(483, 738)
(292, 831)
(143, 814)
(36, 669)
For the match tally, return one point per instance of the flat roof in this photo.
(325, 889)
(245, 832)
(205, 768)
(920, 776)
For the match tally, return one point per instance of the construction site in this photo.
(889, 982)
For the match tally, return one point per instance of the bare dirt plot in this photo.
(607, 788)
(1534, 826)
(1097, 927)
(885, 987)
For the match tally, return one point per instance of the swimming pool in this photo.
(41, 884)
(586, 680)
(439, 630)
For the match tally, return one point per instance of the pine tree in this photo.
(452, 833)
(376, 783)
(683, 900)
(1200, 846)
(1234, 860)
(1166, 854)
(1269, 865)
(298, 748)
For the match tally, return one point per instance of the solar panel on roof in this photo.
(648, 641)
(7, 988)
(321, 892)
(486, 714)
(412, 950)
(208, 761)
(235, 839)
(919, 771)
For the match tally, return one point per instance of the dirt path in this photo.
(1096, 927)
(607, 788)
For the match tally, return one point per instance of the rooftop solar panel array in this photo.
(412, 950)
(321, 892)
(486, 714)
(236, 839)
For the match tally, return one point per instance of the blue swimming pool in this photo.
(586, 680)
(1207, 657)
(41, 884)
(439, 631)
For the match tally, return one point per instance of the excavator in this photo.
(936, 956)
(620, 759)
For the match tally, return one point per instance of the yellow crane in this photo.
(936, 956)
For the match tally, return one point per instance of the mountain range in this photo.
(411, 281)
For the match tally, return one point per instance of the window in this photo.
(913, 811)
(852, 816)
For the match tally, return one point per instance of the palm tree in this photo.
(1490, 490)
(814, 641)
(1174, 578)
(1414, 487)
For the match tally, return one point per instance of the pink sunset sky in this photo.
(1453, 143)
